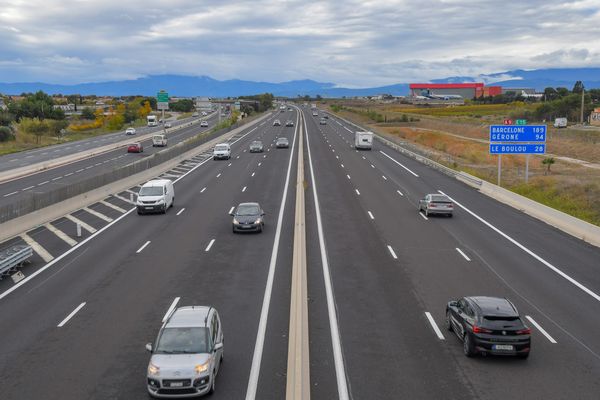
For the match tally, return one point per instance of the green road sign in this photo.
(521, 122)
(162, 97)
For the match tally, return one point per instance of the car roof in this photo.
(249, 204)
(156, 182)
(188, 316)
(282, 138)
(494, 306)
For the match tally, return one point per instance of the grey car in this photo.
(282, 143)
(256, 147)
(436, 204)
(187, 354)
(289, 122)
(248, 217)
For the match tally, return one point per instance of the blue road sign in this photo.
(517, 133)
(502, 148)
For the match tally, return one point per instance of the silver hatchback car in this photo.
(187, 354)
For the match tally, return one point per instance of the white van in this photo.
(560, 123)
(222, 151)
(363, 140)
(159, 141)
(155, 196)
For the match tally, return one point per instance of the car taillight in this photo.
(478, 329)
(432, 205)
(526, 331)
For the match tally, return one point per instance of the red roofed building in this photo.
(465, 90)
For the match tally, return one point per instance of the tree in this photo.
(562, 91)
(578, 87)
(144, 110)
(151, 101)
(550, 94)
(73, 99)
(548, 163)
(87, 113)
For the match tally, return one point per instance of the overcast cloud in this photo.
(350, 43)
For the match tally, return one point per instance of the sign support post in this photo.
(499, 168)
(527, 168)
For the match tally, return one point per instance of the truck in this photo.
(560, 123)
(152, 120)
(363, 140)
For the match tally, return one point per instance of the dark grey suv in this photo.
(488, 325)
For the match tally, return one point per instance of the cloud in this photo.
(355, 43)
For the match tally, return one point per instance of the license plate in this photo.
(176, 384)
(503, 347)
(149, 208)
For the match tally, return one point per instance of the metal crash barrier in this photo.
(13, 258)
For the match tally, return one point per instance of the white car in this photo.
(130, 131)
(222, 151)
(204, 124)
(168, 125)
(204, 113)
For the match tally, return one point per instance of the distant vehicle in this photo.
(560, 123)
(277, 123)
(155, 196)
(282, 143)
(282, 108)
(326, 116)
(135, 148)
(256, 147)
(363, 140)
(313, 106)
(203, 124)
(222, 151)
(204, 113)
(130, 131)
(322, 121)
(436, 204)
(168, 125)
(159, 141)
(315, 114)
(248, 217)
(488, 325)
(187, 355)
(195, 114)
(289, 122)
(152, 120)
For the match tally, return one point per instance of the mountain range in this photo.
(188, 86)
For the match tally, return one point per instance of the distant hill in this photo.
(187, 86)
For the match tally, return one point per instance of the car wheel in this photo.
(468, 346)
(449, 215)
(448, 322)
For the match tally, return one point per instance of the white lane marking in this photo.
(252, 174)
(27, 188)
(180, 211)
(434, 326)
(463, 254)
(91, 166)
(203, 189)
(79, 170)
(371, 214)
(229, 165)
(264, 156)
(539, 328)
(244, 189)
(399, 192)
(231, 210)
(348, 176)
(123, 198)
(259, 164)
(384, 178)
(57, 178)
(42, 252)
(423, 215)
(400, 164)
(526, 250)
(64, 321)
(363, 157)
(97, 164)
(171, 308)
(264, 312)
(372, 166)
(97, 214)
(219, 175)
(209, 245)
(66, 238)
(107, 204)
(10, 194)
(392, 252)
(85, 226)
(337, 157)
(239, 156)
(357, 192)
(143, 247)
(69, 174)
(338, 357)
(349, 130)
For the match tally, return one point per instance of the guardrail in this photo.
(13, 257)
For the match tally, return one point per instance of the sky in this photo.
(349, 43)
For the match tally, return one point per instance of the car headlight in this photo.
(235, 221)
(160, 201)
(200, 368)
(257, 221)
(153, 369)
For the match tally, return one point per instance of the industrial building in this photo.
(447, 91)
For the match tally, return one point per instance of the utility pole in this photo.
(582, 102)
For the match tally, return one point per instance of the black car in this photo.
(248, 217)
(488, 325)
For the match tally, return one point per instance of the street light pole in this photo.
(582, 102)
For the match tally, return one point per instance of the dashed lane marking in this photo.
(463, 254)
(542, 330)
(143, 247)
(64, 321)
(435, 327)
(392, 252)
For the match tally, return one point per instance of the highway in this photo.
(379, 277)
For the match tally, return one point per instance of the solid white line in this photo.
(550, 338)
(526, 250)
(264, 312)
(171, 308)
(117, 208)
(203, 189)
(41, 251)
(423, 215)
(392, 252)
(463, 254)
(434, 326)
(180, 211)
(399, 192)
(384, 178)
(370, 214)
(97, 214)
(244, 189)
(209, 245)
(64, 321)
(66, 238)
(399, 164)
(338, 357)
(85, 226)
(143, 247)
(357, 192)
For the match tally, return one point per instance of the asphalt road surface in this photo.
(379, 276)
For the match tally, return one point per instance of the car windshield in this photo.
(221, 147)
(282, 140)
(182, 341)
(440, 199)
(256, 143)
(151, 191)
(247, 209)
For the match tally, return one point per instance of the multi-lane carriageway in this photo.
(379, 275)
